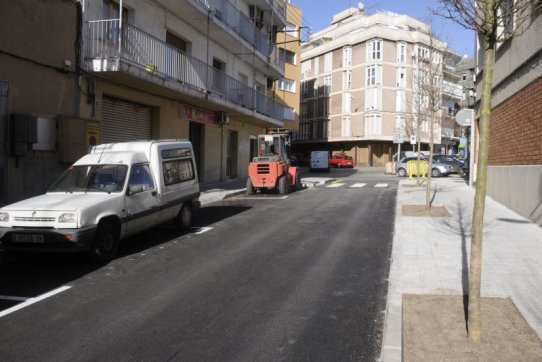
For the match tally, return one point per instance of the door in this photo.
(195, 135)
(231, 158)
(142, 203)
(3, 140)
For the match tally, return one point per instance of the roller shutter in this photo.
(125, 121)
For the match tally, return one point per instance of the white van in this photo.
(320, 161)
(115, 191)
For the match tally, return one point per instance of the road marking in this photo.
(203, 230)
(358, 185)
(381, 185)
(336, 185)
(31, 301)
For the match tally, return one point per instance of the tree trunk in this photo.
(475, 273)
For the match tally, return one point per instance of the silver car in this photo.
(438, 168)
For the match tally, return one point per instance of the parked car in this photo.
(341, 160)
(450, 160)
(438, 169)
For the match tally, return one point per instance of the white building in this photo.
(360, 82)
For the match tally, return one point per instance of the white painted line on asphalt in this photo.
(203, 230)
(13, 298)
(358, 185)
(31, 301)
(336, 185)
(381, 185)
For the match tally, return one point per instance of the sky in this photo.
(318, 14)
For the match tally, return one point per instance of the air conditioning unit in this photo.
(223, 118)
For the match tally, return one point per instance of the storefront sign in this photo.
(198, 115)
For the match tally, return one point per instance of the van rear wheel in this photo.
(105, 244)
(184, 217)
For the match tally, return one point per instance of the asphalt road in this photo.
(263, 278)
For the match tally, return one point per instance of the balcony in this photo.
(112, 50)
(233, 29)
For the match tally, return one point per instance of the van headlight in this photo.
(4, 217)
(67, 217)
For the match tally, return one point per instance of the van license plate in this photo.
(28, 238)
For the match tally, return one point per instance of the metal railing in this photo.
(242, 25)
(157, 57)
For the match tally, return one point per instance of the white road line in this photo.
(358, 185)
(31, 301)
(203, 230)
(381, 185)
(336, 185)
(16, 299)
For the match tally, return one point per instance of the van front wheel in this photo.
(106, 243)
(184, 217)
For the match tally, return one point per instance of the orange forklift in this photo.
(270, 170)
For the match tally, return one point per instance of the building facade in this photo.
(515, 134)
(122, 70)
(360, 87)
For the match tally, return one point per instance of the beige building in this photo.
(360, 90)
(119, 70)
(515, 146)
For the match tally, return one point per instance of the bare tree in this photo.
(494, 21)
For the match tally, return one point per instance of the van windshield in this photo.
(91, 178)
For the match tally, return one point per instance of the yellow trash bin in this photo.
(415, 167)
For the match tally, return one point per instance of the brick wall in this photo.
(516, 128)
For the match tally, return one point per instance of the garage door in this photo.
(125, 121)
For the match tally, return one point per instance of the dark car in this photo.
(341, 160)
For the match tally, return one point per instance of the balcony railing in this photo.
(243, 26)
(134, 46)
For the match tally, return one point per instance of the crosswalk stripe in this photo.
(381, 185)
(336, 185)
(358, 185)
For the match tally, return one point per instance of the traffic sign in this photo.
(413, 139)
(465, 117)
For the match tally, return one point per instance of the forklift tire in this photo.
(298, 185)
(283, 185)
(250, 188)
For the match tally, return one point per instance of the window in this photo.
(177, 171)
(291, 30)
(328, 62)
(422, 53)
(327, 84)
(111, 10)
(401, 52)
(346, 127)
(347, 57)
(400, 101)
(287, 85)
(141, 176)
(305, 68)
(347, 103)
(347, 80)
(374, 50)
(288, 56)
(374, 75)
(373, 99)
(373, 125)
(303, 113)
(401, 77)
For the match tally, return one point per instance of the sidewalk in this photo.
(430, 255)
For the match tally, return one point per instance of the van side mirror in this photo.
(134, 189)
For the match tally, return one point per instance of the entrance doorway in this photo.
(231, 157)
(195, 135)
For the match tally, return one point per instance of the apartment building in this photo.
(515, 146)
(121, 70)
(360, 90)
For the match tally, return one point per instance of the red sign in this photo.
(198, 115)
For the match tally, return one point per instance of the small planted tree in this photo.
(494, 21)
